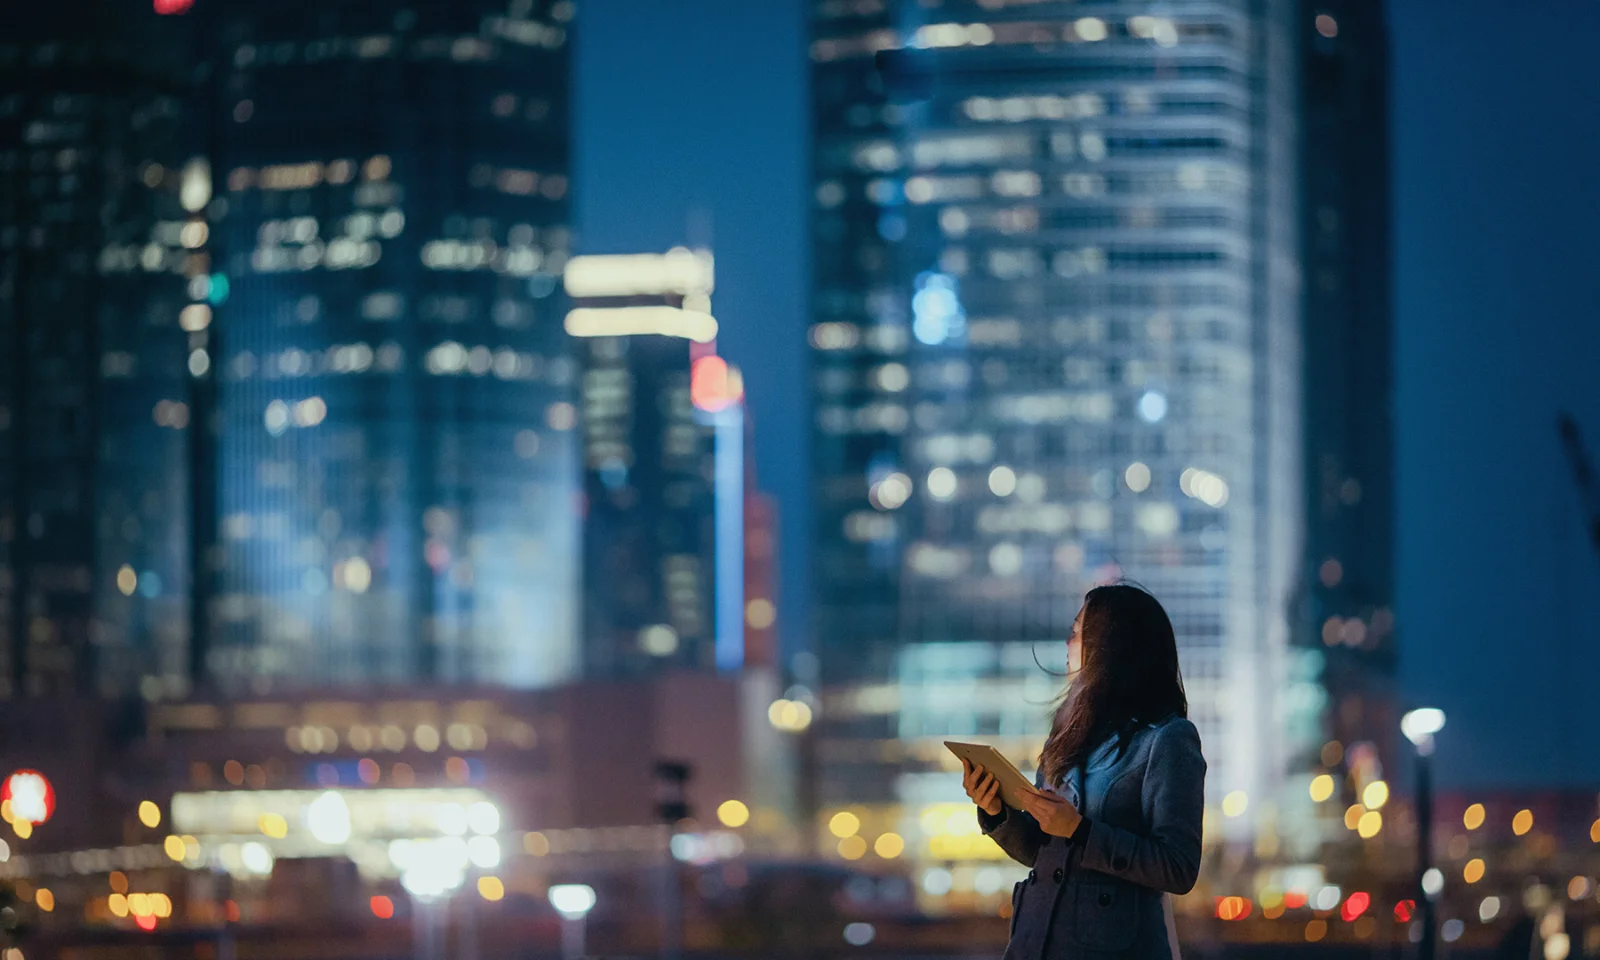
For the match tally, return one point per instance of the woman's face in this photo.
(1075, 645)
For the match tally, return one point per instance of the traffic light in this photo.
(672, 802)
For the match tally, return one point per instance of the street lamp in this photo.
(1419, 726)
(573, 901)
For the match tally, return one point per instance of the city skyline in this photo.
(1435, 438)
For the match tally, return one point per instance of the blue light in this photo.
(217, 290)
(936, 309)
(1153, 406)
(150, 584)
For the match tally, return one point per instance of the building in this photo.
(93, 398)
(663, 464)
(1056, 341)
(392, 475)
(1349, 585)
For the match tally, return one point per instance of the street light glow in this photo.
(1421, 724)
(572, 900)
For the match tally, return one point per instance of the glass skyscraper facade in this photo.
(93, 401)
(1056, 341)
(1349, 382)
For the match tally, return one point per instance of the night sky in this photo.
(693, 128)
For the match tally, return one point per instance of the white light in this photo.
(484, 852)
(937, 882)
(1452, 930)
(1137, 476)
(328, 816)
(28, 793)
(693, 325)
(1432, 882)
(1002, 481)
(572, 900)
(942, 483)
(1489, 909)
(989, 880)
(256, 858)
(1091, 28)
(484, 818)
(936, 309)
(5, 852)
(891, 492)
(680, 271)
(452, 819)
(195, 191)
(658, 640)
(1152, 407)
(1421, 724)
(1327, 898)
(1557, 946)
(277, 417)
(858, 934)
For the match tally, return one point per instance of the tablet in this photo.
(1013, 785)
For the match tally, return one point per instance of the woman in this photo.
(1115, 823)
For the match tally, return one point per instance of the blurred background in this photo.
(534, 478)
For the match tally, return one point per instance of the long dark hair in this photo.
(1129, 677)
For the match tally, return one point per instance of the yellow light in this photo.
(732, 813)
(1376, 795)
(1370, 823)
(852, 848)
(174, 847)
(1321, 788)
(535, 844)
(149, 814)
(119, 881)
(195, 318)
(1352, 816)
(5, 810)
(1522, 822)
(127, 580)
(1316, 930)
(161, 905)
(889, 846)
(1235, 803)
(1594, 831)
(1473, 818)
(760, 613)
(491, 889)
(844, 824)
(641, 321)
(273, 825)
(139, 905)
(45, 900)
(1473, 871)
(23, 828)
(117, 904)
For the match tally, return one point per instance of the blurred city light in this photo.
(572, 900)
(1421, 724)
(149, 814)
(733, 813)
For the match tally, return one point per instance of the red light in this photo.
(1355, 906)
(1404, 910)
(146, 922)
(168, 7)
(713, 386)
(30, 795)
(1294, 899)
(382, 908)
(1233, 908)
(233, 911)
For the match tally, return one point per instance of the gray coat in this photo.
(1098, 896)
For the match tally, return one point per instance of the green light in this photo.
(218, 293)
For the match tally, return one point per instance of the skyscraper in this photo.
(1056, 341)
(1349, 370)
(394, 468)
(663, 467)
(92, 397)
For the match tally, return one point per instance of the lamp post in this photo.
(1419, 726)
(573, 901)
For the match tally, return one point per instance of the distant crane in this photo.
(1583, 471)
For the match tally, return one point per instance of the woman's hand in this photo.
(1056, 816)
(982, 787)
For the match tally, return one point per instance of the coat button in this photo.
(1032, 876)
(1105, 899)
(1119, 863)
(1060, 874)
